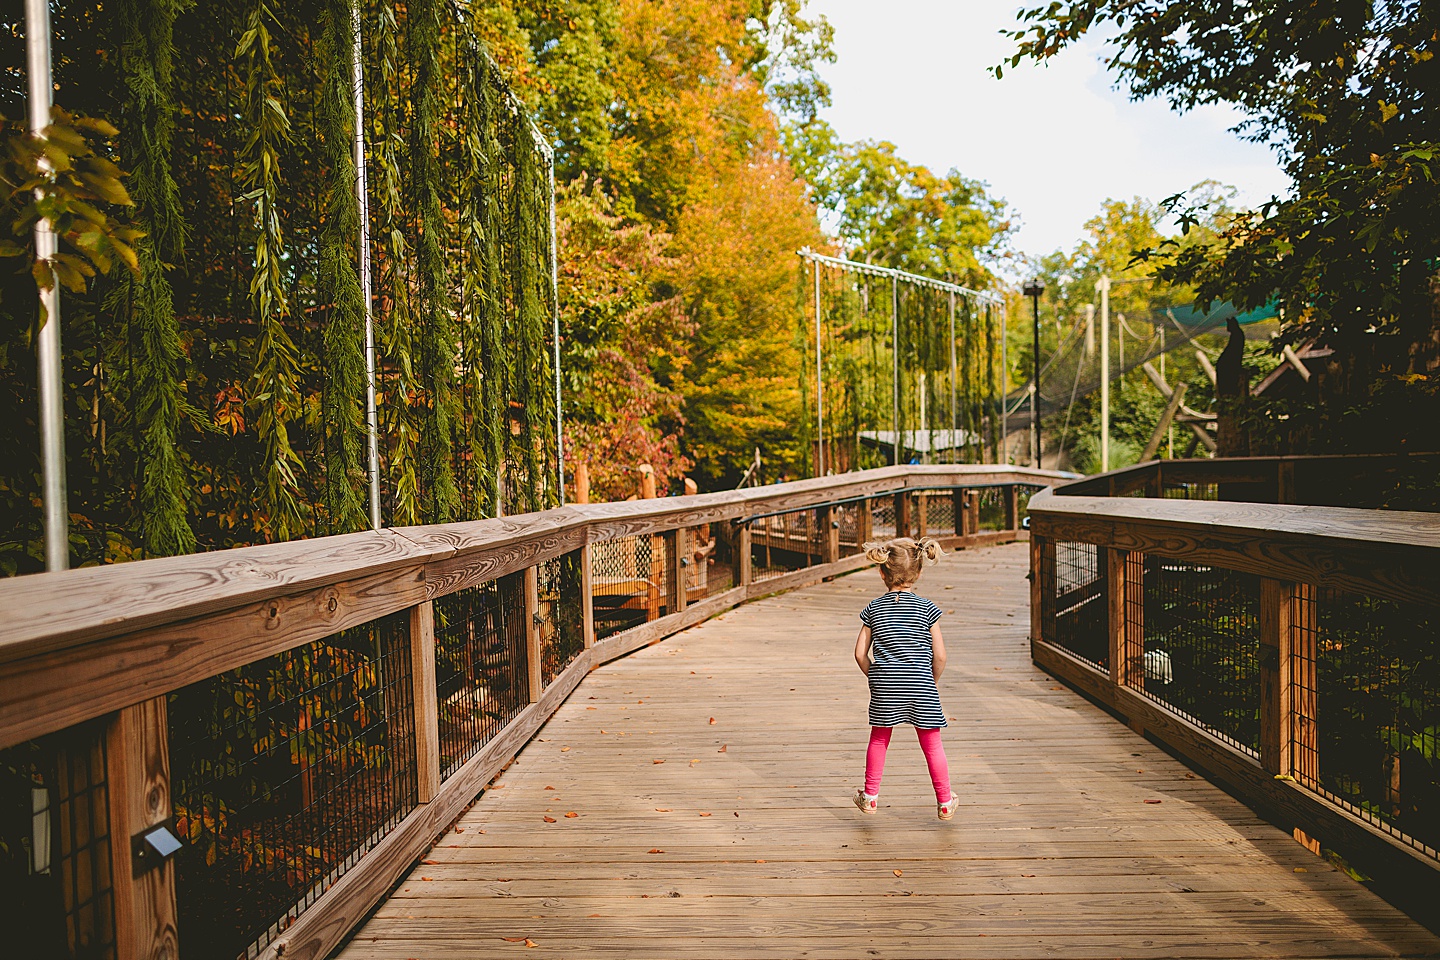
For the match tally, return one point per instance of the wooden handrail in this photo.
(1299, 553)
(113, 642)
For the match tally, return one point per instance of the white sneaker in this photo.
(946, 810)
(865, 801)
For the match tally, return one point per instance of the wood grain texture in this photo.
(60, 688)
(1389, 553)
(1402, 875)
(756, 851)
(138, 785)
(423, 701)
(534, 674)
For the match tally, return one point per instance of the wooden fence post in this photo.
(972, 501)
(961, 499)
(1288, 692)
(532, 633)
(1125, 615)
(1012, 507)
(138, 780)
(864, 523)
(675, 570)
(902, 513)
(423, 700)
(587, 599)
(829, 534)
(1042, 589)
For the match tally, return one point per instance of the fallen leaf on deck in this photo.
(549, 788)
(462, 830)
(657, 761)
(655, 850)
(592, 708)
(759, 861)
(706, 814)
(898, 873)
(425, 878)
(571, 815)
(712, 720)
(1152, 801)
(430, 861)
(514, 939)
(592, 916)
(662, 809)
(1302, 869)
(564, 749)
(548, 819)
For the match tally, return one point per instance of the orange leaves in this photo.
(724, 748)
(548, 819)
(898, 873)
(571, 815)
(654, 850)
(525, 940)
(712, 721)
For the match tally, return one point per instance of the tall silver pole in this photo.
(51, 373)
(1104, 287)
(895, 358)
(362, 195)
(819, 386)
(1004, 379)
(954, 422)
(555, 331)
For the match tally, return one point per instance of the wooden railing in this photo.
(1288, 649)
(307, 717)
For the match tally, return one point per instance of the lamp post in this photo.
(1033, 289)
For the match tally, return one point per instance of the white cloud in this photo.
(1055, 141)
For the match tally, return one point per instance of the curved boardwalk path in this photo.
(679, 836)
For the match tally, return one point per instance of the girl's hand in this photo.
(862, 650)
(937, 645)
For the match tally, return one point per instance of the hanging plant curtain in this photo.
(218, 398)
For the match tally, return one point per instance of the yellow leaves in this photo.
(898, 873)
(1388, 111)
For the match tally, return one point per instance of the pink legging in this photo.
(930, 745)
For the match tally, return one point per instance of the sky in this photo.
(1055, 141)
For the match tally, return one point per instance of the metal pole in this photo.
(1104, 287)
(1004, 379)
(1035, 387)
(555, 331)
(953, 418)
(362, 196)
(48, 358)
(895, 359)
(819, 386)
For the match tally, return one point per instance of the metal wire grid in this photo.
(627, 580)
(284, 773)
(1080, 612)
(993, 503)
(784, 542)
(1022, 500)
(853, 519)
(707, 554)
(882, 517)
(1202, 646)
(55, 893)
(932, 513)
(480, 672)
(1366, 721)
(1190, 491)
(558, 615)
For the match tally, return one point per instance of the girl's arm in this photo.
(937, 644)
(862, 650)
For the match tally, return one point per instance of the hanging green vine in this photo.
(532, 363)
(389, 140)
(339, 284)
(437, 334)
(273, 389)
(157, 384)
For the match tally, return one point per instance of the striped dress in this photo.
(902, 684)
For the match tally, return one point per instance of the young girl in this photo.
(901, 651)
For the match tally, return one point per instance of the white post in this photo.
(895, 357)
(819, 384)
(362, 195)
(923, 425)
(51, 372)
(954, 422)
(1089, 329)
(555, 330)
(1004, 380)
(1104, 287)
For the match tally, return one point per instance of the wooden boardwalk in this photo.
(692, 801)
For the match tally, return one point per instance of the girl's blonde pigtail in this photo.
(876, 552)
(930, 548)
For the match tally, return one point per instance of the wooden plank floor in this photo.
(692, 801)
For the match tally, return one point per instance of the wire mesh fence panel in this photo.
(627, 581)
(56, 899)
(785, 542)
(994, 503)
(558, 615)
(1202, 646)
(1080, 615)
(708, 559)
(853, 519)
(933, 512)
(882, 517)
(480, 672)
(284, 773)
(1372, 740)
(1189, 491)
(1022, 500)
